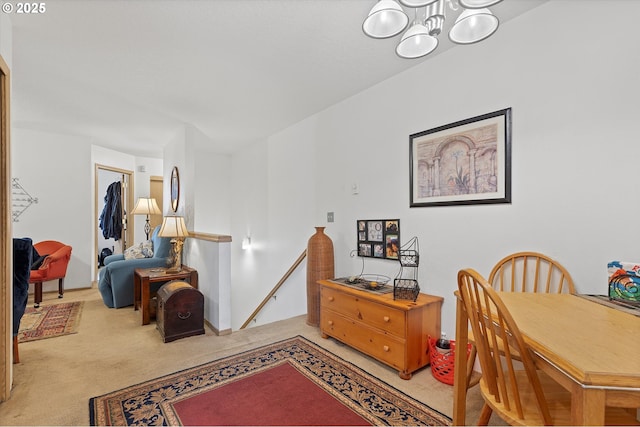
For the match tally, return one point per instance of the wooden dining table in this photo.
(591, 349)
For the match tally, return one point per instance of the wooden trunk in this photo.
(180, 311)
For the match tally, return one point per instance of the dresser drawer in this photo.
(392, 331)
(360, 309)
(382, 346)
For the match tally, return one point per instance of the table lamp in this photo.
(146, 206)
(174, 227)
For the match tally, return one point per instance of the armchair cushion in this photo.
(141, 250)
(115, 280)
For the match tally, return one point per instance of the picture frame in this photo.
(175, 189)
(378, 238)
(463, 163)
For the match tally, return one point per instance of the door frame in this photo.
(6, 253)
(156, 219)
(128, 206)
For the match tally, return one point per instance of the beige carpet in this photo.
(56, 377)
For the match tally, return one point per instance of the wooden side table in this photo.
(142, 279)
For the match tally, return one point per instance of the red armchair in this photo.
(53, 267)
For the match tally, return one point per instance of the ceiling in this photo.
(129, 74)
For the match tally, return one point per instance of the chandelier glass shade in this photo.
(388, 18)
(416, 42)
(473, 26)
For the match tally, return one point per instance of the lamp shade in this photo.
(173, 226)
(473, 26)
(416, 42)
(146, 206)
(386, 19)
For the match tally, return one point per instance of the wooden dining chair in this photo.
(525, 272)
(531, 272)
(513, 389)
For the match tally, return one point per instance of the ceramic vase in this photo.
(319, 266)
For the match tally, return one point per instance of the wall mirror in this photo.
(175, 189)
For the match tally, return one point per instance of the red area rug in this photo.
(50, 321)
(292, 382)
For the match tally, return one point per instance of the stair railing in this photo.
(275, 289)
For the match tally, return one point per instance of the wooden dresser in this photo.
(393, 332)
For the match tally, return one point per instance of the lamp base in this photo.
(176, 256)
(147, 227)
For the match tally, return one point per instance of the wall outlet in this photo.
(329, 216)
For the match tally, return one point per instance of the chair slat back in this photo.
(492, 323)
(531, 272)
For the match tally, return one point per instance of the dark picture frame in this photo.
(463, 163)
(378, 238)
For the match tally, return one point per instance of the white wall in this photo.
(56, 169)
(574, 100)
(175, 155)
(6, 39)
(212, 189)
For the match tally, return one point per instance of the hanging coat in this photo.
(111, 216)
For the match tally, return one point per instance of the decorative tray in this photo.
(370, 282)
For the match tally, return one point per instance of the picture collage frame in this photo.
(378, 238)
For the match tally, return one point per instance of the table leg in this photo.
(587, 406)
(460, 365)
(136, 291)
(193, 280)
(144, 303)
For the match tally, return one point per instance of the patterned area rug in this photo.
(50, 321)
(201, 395)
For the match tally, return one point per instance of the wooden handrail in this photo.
(295, 265)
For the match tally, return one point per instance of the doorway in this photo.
(111, 184)
(156, 192)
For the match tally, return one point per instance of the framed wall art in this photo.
(378, 238)
(462, 163)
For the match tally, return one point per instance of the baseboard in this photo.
(215, 330)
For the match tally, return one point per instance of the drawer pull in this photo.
(331, 298)
(330, 322)
(385, 348)
(184, 316)
(386, 319)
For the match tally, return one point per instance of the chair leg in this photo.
(16, 354)
(60, 287)
(485, 415)
(37, 291)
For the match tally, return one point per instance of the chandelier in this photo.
(387, 18)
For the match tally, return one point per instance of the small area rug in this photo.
(50, 321)
(291, 382)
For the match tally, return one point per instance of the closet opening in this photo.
(113, 202)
